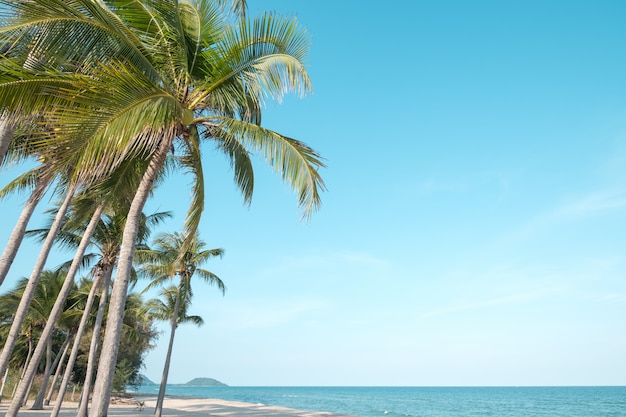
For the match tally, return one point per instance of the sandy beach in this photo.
(183, 407)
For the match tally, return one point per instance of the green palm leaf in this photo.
(297, 162)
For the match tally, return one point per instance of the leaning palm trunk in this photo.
(30, 351)
(108, 357)
(15, 240)
(4, 381)
(100, 281)
(95, 341)
(38, 404)
(166, 368)
(29, 291)
(59, 366)
(6, 135)
(57, 309)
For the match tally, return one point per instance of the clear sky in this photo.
(473, 232)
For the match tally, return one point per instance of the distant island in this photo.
(206, 382)
(198, 382)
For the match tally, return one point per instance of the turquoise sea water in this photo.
(426, 402)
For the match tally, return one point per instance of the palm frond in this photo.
(25, 181)
(258, 58)
(238, 7)
(191, 161)
(78, 33)
(298, 163)
(212, 279)
(26, 93)
(129, 121)
(202, 25)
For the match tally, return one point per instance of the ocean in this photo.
(425, 401)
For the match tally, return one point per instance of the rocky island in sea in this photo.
(206, 382)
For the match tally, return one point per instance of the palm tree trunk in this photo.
(95, 341)
(75, 347)
(158, 410)
(30, 385)
(57, 309)
(108, 357)
(29, 291)
(6, 135)
(58, 367)
(30, 351)
(4, 381)
(15, 240)
(38, 404)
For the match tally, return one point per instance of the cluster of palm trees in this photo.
(137, 337)
(105, 98)
(160, 264)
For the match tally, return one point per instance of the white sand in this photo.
(183, 407)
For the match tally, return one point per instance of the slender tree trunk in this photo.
(108, 357)
(4, 381)
(39, 401)
(29, 291)
(95, 341)
(57, 309)
(17, 235)
(30, 351)
(158, 410)
(38, 404)
(72, 360)
(28, 388)
(59, 366)
(6, 135)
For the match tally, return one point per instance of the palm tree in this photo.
(176, 255)
(68, 323)
(15, 240)
(69, 187)
(38, 313)
(104, 232)
(54, 313)
(172, 307)
(137, 79)
(106, 238)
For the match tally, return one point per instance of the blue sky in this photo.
(473, 228)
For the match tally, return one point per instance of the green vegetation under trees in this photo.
(138, 336)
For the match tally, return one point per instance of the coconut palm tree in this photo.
(38, 313)
(104, 232)
(31, 285)
(157, 76)
(68, 323)
(68, 284)
(171, 306)
(176, 255)
(15, 240)
(107, 238)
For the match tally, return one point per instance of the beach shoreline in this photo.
(177, 406)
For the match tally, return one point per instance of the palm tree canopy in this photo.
(110, 80)
(163, 308)
(171, 257)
